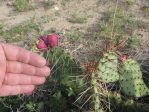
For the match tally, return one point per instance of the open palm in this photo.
(20, 70)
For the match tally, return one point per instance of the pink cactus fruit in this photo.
(45, 39)
(53, 40)
(40, 44)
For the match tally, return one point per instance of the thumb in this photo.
(2, 65)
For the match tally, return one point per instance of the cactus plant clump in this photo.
(107, 68)
(131, 81)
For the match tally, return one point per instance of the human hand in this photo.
(20, 70)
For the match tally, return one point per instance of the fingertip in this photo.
(37, 60)
(33, 87)
(40, 80)
(42, 62)
(47, 71)
(28, 89)
(43, 80)
(29, 93)
(43, 71)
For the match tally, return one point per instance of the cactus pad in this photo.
(131, 80)
(107, 69)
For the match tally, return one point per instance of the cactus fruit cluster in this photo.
(107, 69)
(131, 80)
(45, 42)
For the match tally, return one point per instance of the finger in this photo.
(7, 90)
(2, 65)
(21, 68)
(30, 93)
(14, 53)
(21, 79)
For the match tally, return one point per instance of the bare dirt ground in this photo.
(59, 13)
(84, 8)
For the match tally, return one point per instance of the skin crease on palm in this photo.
(20, 70)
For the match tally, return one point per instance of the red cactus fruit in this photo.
(53, 40)
(40, 44)
(45, 39)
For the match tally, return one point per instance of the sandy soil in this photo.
(59, 13)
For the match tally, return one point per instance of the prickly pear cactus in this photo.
(131, 81)
(107, 69)
(95, 93)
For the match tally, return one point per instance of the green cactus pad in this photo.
(131, 80)
(107, 68)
